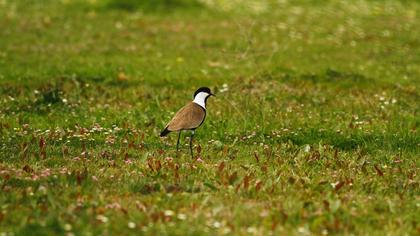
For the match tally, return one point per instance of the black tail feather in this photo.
(164, 132)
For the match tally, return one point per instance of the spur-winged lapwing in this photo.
(190, 117)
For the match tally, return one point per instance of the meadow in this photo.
(314, 130)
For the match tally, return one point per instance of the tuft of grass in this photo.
(151, 6)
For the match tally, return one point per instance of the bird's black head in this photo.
(203, 89)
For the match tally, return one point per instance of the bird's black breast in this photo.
(205, 114)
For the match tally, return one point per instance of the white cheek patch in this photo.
(200, 99)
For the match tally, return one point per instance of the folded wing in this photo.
(189, 117)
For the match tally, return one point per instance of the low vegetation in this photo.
(314, 129)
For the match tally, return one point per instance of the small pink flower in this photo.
(34, 177)
(128, 161)
(46, 173)
(114, 205)
(199, 160)
(63, 171)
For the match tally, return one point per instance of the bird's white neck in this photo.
(200, 99)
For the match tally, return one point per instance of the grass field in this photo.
(314, 129)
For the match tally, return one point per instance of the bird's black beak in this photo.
(212, 94)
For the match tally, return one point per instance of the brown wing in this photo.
(189, 117)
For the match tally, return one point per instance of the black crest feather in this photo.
(202, 89)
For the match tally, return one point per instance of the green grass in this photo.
(314, 129)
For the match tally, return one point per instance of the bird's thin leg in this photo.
(177, 143)
(191, 139)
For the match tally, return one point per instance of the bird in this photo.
(189, 117)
